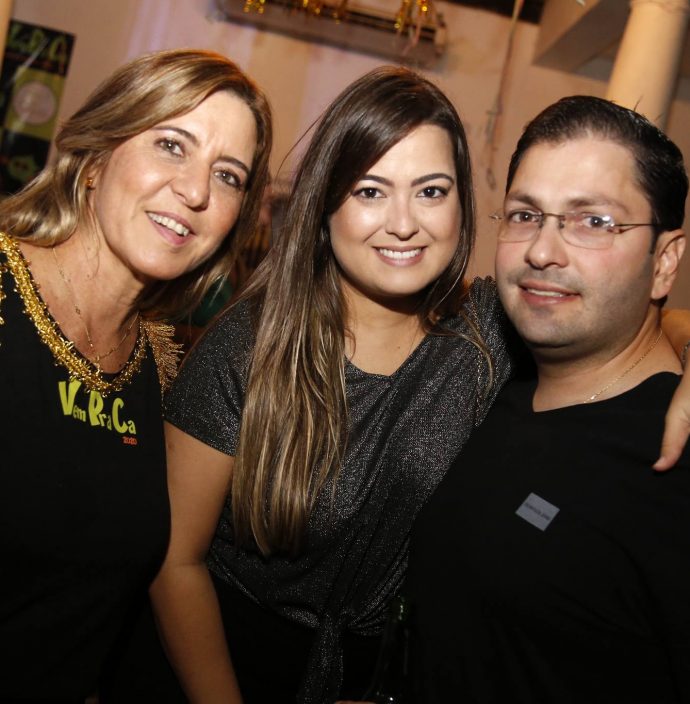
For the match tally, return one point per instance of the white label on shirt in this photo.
(537, 511)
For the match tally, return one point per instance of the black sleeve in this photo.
(207, 397)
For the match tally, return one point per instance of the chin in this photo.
(537, 337)
(162, 269)
(549, 347)
(400, 295)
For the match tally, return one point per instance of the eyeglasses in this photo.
(581, 229)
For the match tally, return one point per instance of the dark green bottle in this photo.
(391, 680)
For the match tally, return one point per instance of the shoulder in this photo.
(483, 298)
(649, 399)
(483, 290)
(481, 305)
(207, 398)
(627, 429)
(479, 302)
(481, 317)
(166, 352)
(228, 340)
(215, 369)
(228, 330)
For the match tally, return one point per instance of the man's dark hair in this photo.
(660, 170)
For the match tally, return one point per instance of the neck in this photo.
(103, 287)
(604, 373)
(364, 312)
(380, 337)
(94, 301)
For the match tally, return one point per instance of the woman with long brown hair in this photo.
(157, 182)
(316, 416)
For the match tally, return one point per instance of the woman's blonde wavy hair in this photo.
(294, 423)
(138, 96)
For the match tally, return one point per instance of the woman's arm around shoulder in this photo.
(183, 596)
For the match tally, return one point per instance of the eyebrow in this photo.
(415, 182)
(523, 198)
(574, 203)
(193, 139)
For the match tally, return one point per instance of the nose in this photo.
(547, 248)
(400, 219)
(192, 186)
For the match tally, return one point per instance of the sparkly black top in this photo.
(404, 431)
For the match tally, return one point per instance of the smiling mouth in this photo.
(177, 227)
(397, 254)
(548, 294)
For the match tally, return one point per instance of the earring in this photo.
(89, 184)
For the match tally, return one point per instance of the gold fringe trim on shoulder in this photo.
(166, 352)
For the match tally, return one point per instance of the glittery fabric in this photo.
(404, 431)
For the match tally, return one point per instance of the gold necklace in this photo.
(156, 335)
(95, 357)
(80, 367)
(627, 371)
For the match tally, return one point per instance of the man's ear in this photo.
(668, 252)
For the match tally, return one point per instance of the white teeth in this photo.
(171, 224)
(394, 254)
(553, 294)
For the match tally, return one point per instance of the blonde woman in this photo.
(157, 182)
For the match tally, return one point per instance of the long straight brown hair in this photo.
(294, 423)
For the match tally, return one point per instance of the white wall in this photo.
(301, 78)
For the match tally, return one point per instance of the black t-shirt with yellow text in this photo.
(84, 517)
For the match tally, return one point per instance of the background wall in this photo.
(301, 78)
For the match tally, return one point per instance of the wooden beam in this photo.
(646, 70)
(363, 28)
(572, 33)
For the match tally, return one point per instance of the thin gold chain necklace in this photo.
(96, 358)
(627, 371)
(156, 335)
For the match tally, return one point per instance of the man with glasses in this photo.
(552, 564)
